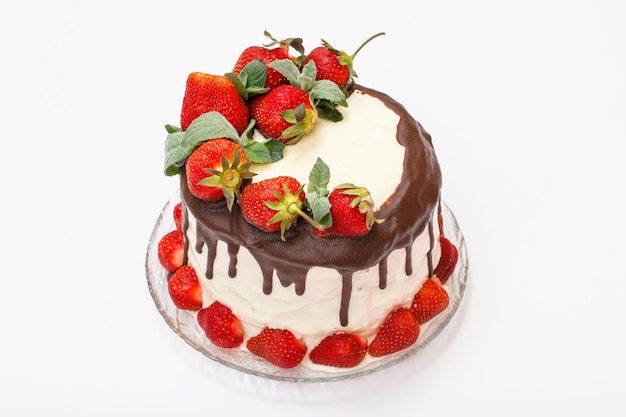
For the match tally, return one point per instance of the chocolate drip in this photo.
(408, 262)
(296, 276)
(184, 226)
(208, 241)
(268, 274)
(346, 294)
(382, 273)
(429, 255)
(287, 277)
(233, 250)
(407, 213)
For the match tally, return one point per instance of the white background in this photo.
(526, 104)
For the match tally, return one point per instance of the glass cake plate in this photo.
(185, 325)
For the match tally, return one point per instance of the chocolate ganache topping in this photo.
(407, 213)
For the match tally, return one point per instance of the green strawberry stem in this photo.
(293, 208)
(346, 59)
(288, 208)
(230, 177)
(365, 43)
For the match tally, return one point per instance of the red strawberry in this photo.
(398, 331)
(328, 65)
(171, 249)
(448, 260)
(274, 78)
(178, 215)
(273, 204)
(341, 350)
(430, 300)
(207, 92)
(267, 55)
(278, 346)
(184, 289)
(334, 65)
(221, 326)
(284, 113)
(216, 169)
(351, 210)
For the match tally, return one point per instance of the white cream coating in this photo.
(354, 149)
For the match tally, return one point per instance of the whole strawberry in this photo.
(351, 210)
(207, 92)
(284, 113)
(273, 204)
(215, 170)
(184, 289)
(430, 300)
(278, 346)
(220, 325)
(267, 54)
(341, 350)
(398, 331)
(447, 261)
(334, 65)
(170, 250)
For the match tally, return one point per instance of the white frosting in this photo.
(314, 314)
(355, 149)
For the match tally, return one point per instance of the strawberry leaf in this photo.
(319, 176)
(175, 152)
(310, 70)
(317, 193)
(238, 83)
(251, 80)
(211, 125)
(260, 152)
(180, 144)
(256, 74)
(328, 111)
(264, 152)
(172, 129)
(328, 90)
(320, 209)
(306, 80)
(287, 68)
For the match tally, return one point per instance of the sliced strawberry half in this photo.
(184, 289)
(171, 249)
(398, 331)
(220, 325)
(430, 300)
(448, 260)
(341, 350)
(278, 346)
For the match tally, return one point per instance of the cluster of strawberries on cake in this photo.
(282, 97)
